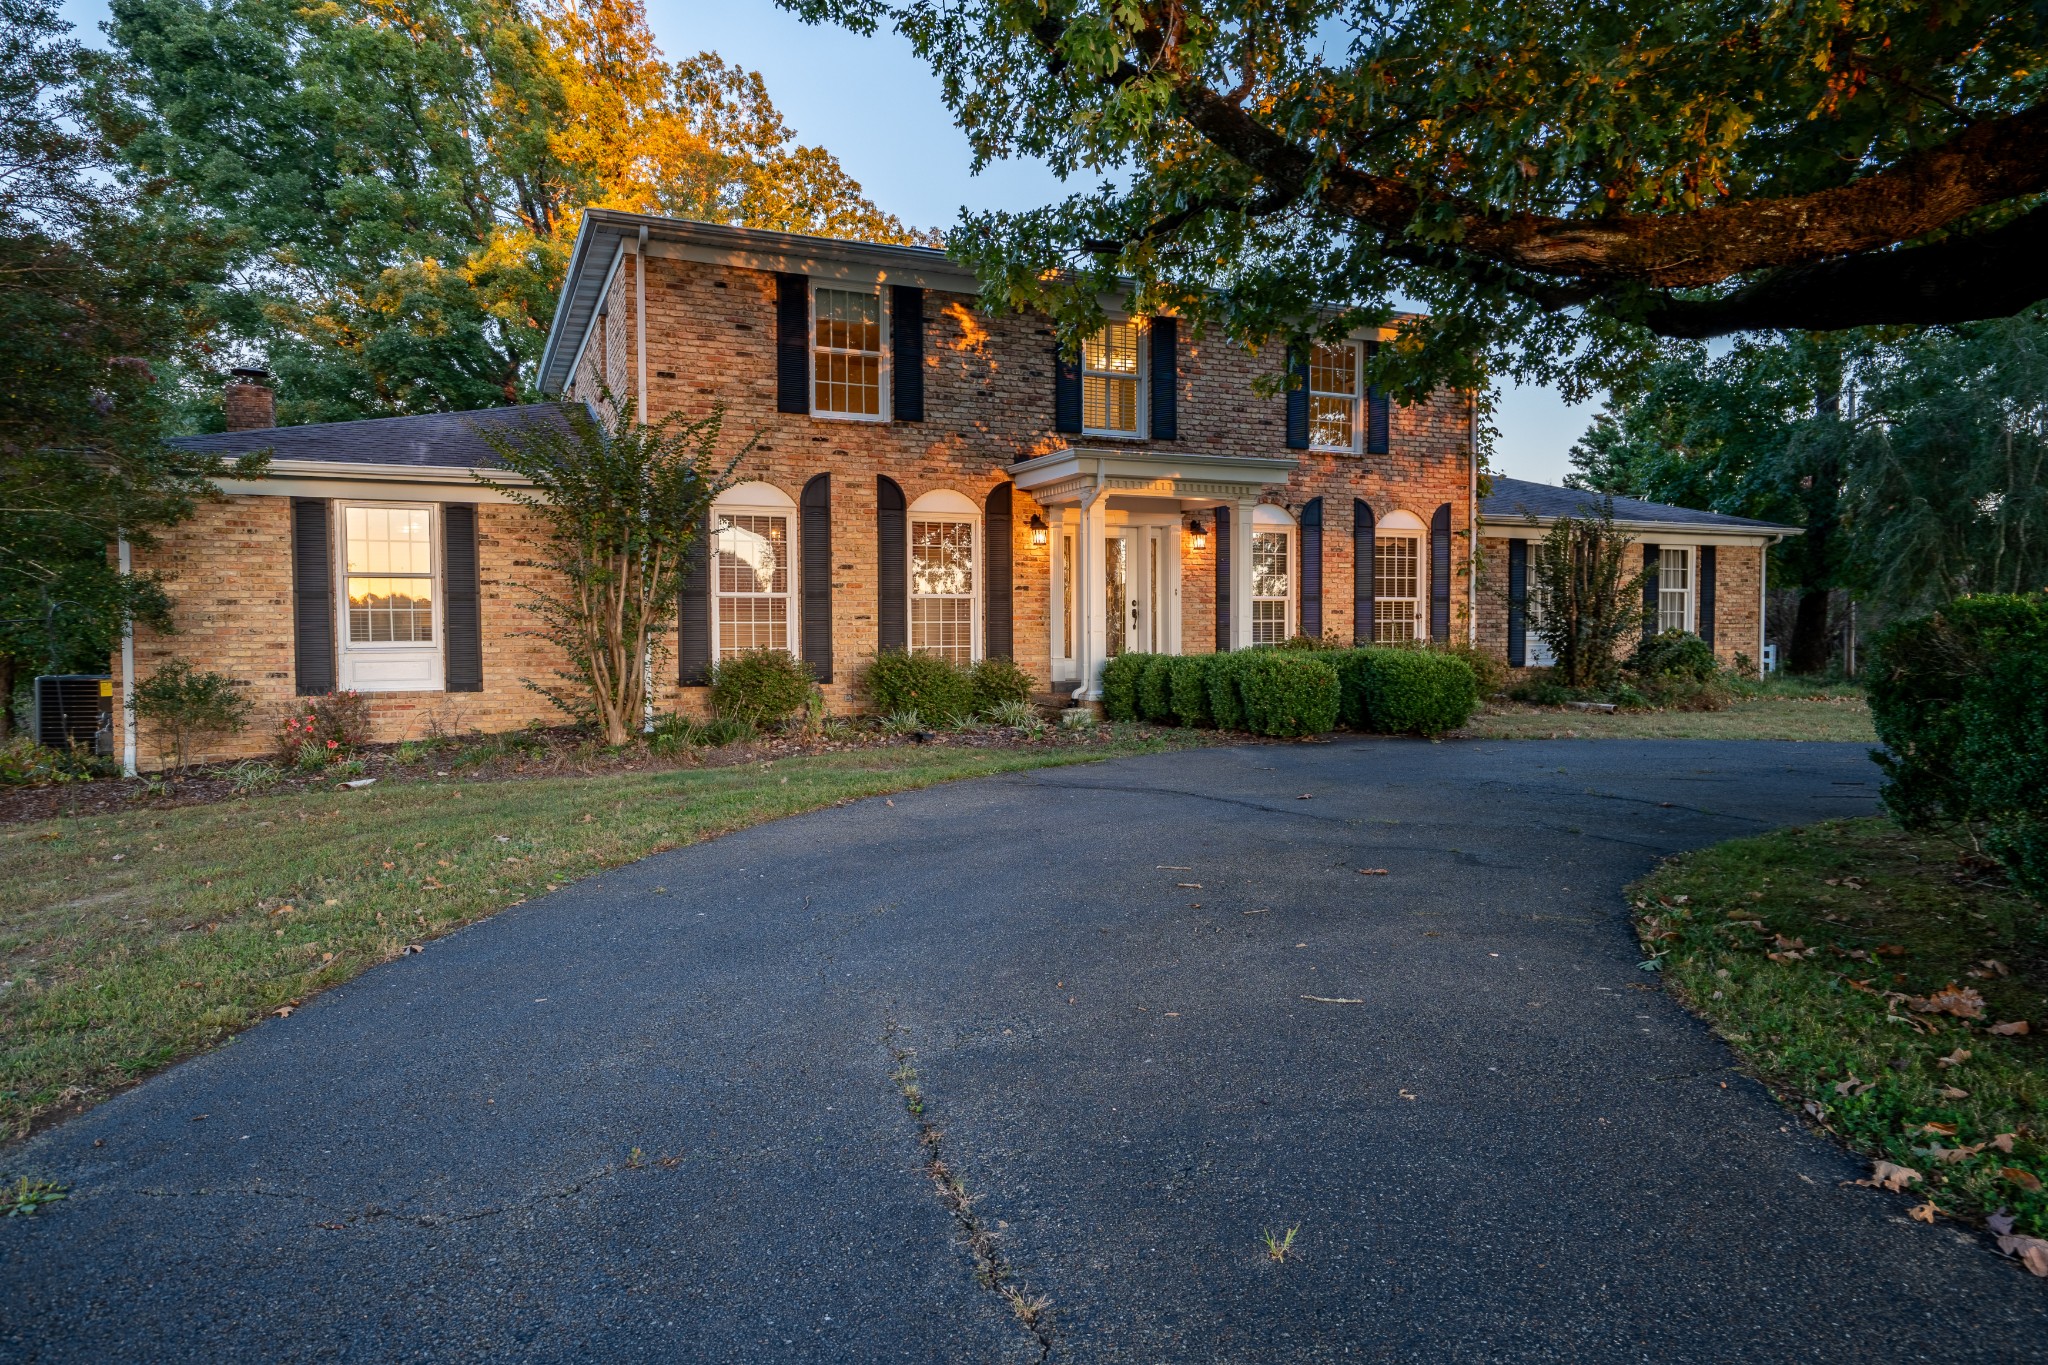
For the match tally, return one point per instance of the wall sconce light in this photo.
(1200, 533)
(1038, 529)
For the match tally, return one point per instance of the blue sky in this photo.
(878, 109)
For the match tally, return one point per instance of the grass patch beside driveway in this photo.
(1827, 717)
(132, 940)
(1825, 955)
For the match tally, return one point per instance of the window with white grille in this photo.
(1112, 380)
(846, 353)
(1674, 588)
(390, 556)
(750, 556)
(1396, 588)
(1334, 389)
(1272, 586)
(942, 588)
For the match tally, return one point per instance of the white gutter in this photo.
(128, 744)
(640, 317)
(386, 473)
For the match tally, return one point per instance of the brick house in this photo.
(925, 475)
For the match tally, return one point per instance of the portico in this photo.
(1119, 523)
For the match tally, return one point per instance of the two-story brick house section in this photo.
(932, 477)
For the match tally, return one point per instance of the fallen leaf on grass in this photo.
(1889, 950)
(1944, 1129)
(1956, 1058)
(1923, 1213)
(283, 1011)
(1949, 1092)
(1853, 1086)
(2026, 1180)
(2032, 1252)
(2003, 1143)
(1889, 1175)
(2018, 1028)
(1961, 1001)
(1994, 966)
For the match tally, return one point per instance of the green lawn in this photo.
(1840, 717)
(130, 941)
(1823, 954)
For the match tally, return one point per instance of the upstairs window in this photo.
(1112, 380)
(1674, 588)
(846, 353)
(1335, 405)
(1272, 585)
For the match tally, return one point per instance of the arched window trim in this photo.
(755, 499)
(927, 617)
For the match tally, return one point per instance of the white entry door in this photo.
(1141, 575)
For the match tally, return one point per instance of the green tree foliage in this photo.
(403, 179)
(97, 296)
(622, 502)
(1585, 604)
(1546, 180)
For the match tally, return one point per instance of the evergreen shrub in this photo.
(1287, 692)
(939, 691)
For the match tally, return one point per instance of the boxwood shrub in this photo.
(996, 680)
(1405, 691)
(1287, 692)
(1190, 679)
(1120, 685)
(760, 686)
(895, 682)
(1155, 690)
(1226, 705)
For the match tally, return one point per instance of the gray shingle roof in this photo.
(434, 440)
(1518, 500)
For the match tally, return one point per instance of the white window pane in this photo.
(1110, 379)
(1333, 369)
(943, 626)
(847, 352)
(941, 557)
(1397, 587)
(752, 622)
(750, 577)
(1331, 422)
(389, 540)
(1113, 349)
(1269, 564)
(390, 610)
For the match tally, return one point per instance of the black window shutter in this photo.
(998, 527)
(1165, 379)
(312, 599)
(1440, 574)
(1518, 603)
(1362, 585)
(1378, 412)
(1706, 611)
(461, 619)
(1651, 566)
(1066, 392)
(792, 343)
(693, 614)
(892, 544)
(906, 376)
(815, 526)
(1222, 580)
(1297, 396)
(1312, 567)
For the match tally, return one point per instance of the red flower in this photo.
(334, 744)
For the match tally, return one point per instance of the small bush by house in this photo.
(1406, 691)
(187, 709)
(1287, 692)
(760, 686)
(996, 681)
(1226, 705)
(1120, 685)
(1674, 654)
(1190, 681)
(1155, 690)
(899, 683)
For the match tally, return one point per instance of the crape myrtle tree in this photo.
(1585, 603)
(1550, 183)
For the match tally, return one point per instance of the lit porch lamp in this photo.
(1200, 533)
(1038, 529)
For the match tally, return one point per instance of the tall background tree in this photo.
(402, 178)
(99, 292)
(1551, 183)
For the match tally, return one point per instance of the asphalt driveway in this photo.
(658, 1115)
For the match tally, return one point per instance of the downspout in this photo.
(1472, 526)
(1763, 602)
(128, 745)
(640, 318)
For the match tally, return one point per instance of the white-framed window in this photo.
(1273, 585)
(1113, 380)
(1674, 587)
(753, 570)
(849, 368)
(945, 559)
(390, 628)
(1336, 397)
(1398, 579)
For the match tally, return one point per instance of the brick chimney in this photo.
(251, 405)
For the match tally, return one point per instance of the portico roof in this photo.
(1082, 473)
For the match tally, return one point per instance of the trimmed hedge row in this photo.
(939, 691)
(1386, 689)
(1957, 699)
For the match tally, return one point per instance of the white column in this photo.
(1091, 634)
(127, 703)
(1241, 573)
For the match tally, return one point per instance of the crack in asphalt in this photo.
(1206, 796)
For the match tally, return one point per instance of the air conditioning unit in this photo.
(75, 710)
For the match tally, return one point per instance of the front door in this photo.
(1138, 585)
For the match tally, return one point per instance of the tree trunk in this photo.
(1810, 633)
